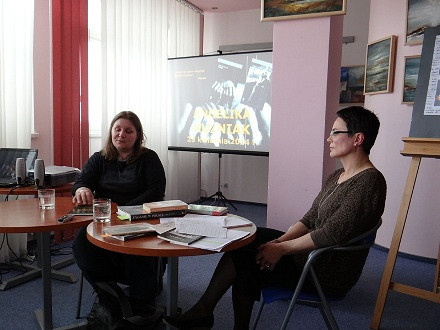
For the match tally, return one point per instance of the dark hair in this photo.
(109, 151)
(361, 120)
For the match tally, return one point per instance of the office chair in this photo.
(318, 299)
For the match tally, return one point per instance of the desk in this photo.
(22, 216)
(155, 247)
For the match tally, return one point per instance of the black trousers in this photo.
(99, 265)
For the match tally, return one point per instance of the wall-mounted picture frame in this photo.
(352, 85)
(273, 10)
(379, 67)
(410, 75)
(420, 15)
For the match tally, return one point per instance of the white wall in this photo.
(356, 22)
(234, 28)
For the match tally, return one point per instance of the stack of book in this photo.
(135, 230)
(128, 232)
(161, 209)
(207, 209)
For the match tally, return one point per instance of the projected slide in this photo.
(221, 103)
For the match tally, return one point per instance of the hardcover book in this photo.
(178, 238)
(161, 206)
(136, 212)
(128, 229)
(207, 209)
(82, 210)
(128, 237)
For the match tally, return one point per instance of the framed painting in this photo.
(352, 84)
(420, 15)
(410, 76)
(379, 67)
(273, 10)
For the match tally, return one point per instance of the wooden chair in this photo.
(319, 300)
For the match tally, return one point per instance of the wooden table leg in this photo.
(395, 242)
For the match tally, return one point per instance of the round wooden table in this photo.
(25, 216)
(155, 247)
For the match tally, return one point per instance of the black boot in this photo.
(105, 312)
(115, 311)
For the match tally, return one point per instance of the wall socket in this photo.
(225, 185)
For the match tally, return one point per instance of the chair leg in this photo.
(257, 317)
(325, 309)
(78, 306)
(294, 299)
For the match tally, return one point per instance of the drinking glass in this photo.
(46, 199)
(102, 210)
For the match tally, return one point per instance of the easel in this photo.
(416, 148)
(218, 194)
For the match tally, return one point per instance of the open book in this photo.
(201, 236)
(175, 237)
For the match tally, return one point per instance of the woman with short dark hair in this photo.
(350, 203)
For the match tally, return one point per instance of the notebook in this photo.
(8, 156)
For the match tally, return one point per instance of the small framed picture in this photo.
(379, 67)
(410, 76)
(420, 15)
(293, 9)
(352, 84)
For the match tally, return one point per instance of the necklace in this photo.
(325, 198)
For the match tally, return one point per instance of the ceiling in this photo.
(225, 5)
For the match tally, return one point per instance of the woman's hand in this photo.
(83, 196)
(269, 254)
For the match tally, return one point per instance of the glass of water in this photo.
(102, 208)
(46, 199)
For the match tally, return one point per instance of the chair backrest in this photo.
(363, 241)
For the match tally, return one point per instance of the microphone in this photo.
(39, 173)
(20, 171)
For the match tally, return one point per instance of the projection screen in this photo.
(220, 103)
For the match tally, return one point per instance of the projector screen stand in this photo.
(218, 196)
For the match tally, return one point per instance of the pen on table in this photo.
(65, 218)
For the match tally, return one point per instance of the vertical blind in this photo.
(16, 93)
(70, 92)
(16, 72)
